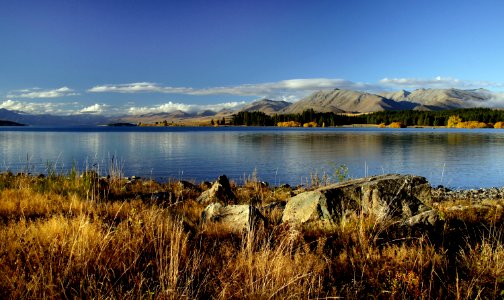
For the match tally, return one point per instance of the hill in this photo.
(441, 99)
(349, 101)
(341, 101)
(267, 106)
(53, 120)
(10, 123)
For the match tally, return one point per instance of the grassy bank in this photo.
(80, 236)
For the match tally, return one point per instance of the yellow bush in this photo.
(310, 124)
(289, 124)
(396, 125)
(499, 125)
(382, 125)
(453, 121)
(471, 124)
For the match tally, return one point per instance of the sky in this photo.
(140, 56)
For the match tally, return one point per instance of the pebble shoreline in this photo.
(441, 193)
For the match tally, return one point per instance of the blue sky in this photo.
(128, 56)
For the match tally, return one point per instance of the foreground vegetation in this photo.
(407, 118)
(81, 236)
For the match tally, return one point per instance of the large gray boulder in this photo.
(219, 192)
(391, 196)
(237, 218)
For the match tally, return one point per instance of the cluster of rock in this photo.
(405, 199)
(443, 194)
(222, 207)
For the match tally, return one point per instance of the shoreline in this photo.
(440, 192)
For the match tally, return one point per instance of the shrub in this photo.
(310, 124)
(472, 124)
(453, 121)
(397, 125)
(289, 124)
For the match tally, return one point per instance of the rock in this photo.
(310, 207)
(425, 219)
(219, 192)
(205, 185)
(477, 196)
(237, 218)
(273, 208)
(274, 205)
(183, 185)
(395, 196)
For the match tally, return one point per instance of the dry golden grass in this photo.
(63, 237)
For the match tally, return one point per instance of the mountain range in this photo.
(53, 120)
(336, 100)
(349, 101)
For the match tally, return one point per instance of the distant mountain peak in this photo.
(338, 100)
(53, 120)
(267, 106)
(344, 101)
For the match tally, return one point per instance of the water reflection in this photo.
(455, 158)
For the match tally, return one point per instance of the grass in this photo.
(81, 236)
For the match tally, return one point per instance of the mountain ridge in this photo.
(350, 101)
(335, 100)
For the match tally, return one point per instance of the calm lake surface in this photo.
(453, 158)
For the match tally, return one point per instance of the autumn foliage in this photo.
(396, 125)
(289, 124)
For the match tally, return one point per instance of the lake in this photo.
(450, 157)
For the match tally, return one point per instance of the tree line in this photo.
(406, 117)
(256, 118)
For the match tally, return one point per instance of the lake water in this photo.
(453, 158)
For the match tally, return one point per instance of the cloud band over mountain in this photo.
(438, 83)
(289, 90)
(41, 93)
(279, 88)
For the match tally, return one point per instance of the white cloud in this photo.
(138, 87)
(67, 108)
(188, 108)
(54, 108)
(290, 89)
(438, 83)
(284, 87)
(36, 108)
(95, 109)
(40, 93)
